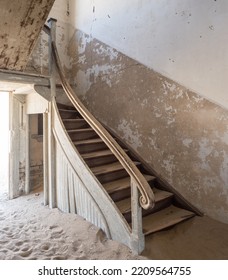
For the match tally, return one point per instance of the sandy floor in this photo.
(28, 230)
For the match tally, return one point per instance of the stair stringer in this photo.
(78, 190)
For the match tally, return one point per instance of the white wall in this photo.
(60, 11)
(184, 40)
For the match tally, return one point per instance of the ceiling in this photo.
(20, 24)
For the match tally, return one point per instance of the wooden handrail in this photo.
(146, 194)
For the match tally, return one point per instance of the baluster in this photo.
(138, 239)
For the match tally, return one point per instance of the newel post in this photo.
(137, 239)
(51, 140)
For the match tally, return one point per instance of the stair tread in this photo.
(80, 129)
(89, 141)
(125, 204)
(73, 120)
(97, 154)
(122, 184)
(68, 110)
(107, 168)
(165, 218)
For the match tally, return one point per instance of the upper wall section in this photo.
(21, 23)
(38, 62)
(184, 40)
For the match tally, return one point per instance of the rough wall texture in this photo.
(180, 134)
(21, 22)
(38, 62)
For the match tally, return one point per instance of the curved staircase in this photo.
(114, 178)
(99, 178)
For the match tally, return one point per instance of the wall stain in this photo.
(180, 134)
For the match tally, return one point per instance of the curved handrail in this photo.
(146, 199)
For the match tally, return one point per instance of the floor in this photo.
(29, 230)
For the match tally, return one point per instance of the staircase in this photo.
(99, 178)
(114, 178)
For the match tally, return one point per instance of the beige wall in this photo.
(179, 132)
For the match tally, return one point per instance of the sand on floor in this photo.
(30, 230)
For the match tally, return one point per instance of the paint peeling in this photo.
(180, 134)
(130, 134)
(187, 142)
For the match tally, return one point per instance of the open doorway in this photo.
(4, 142)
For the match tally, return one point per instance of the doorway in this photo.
(4, 142)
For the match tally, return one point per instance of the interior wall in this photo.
(38, 62)
(182, 135)
(167, 36)
(150, 70)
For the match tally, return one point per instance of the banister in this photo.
(146, 194)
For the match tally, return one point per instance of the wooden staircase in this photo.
(99, 178)
(116, 181)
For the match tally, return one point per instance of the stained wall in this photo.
(179, 132)
(155, 72)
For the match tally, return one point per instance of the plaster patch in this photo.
(82, 59)
(107, 51)
(224, 138)
(84, 40)
(204, 151)
(130, 133)
(106, 72)
(197, 98)
(83, 81)
(170, 86)
(224, 169)
(169, 165)
(187, 142)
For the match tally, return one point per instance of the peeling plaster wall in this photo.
(180, 134)
(38, 62)
(184, 40)
(136, 77)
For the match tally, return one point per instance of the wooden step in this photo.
(164, 219)
(97, 158)
(90, 145)
(71, 124)
(69, 114)
(64, 106)
(107, 168)
(97, 154)
(121, 184)
(120, 189)
(109, 172)
(162, 200)
(82, 134)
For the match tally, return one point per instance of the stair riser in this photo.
(69, 115)
(105, 178)
(100, 160)
(158, 206)
(122, 194)
(90, 147)
(64, 106)
(82, 135)
(76, 124)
